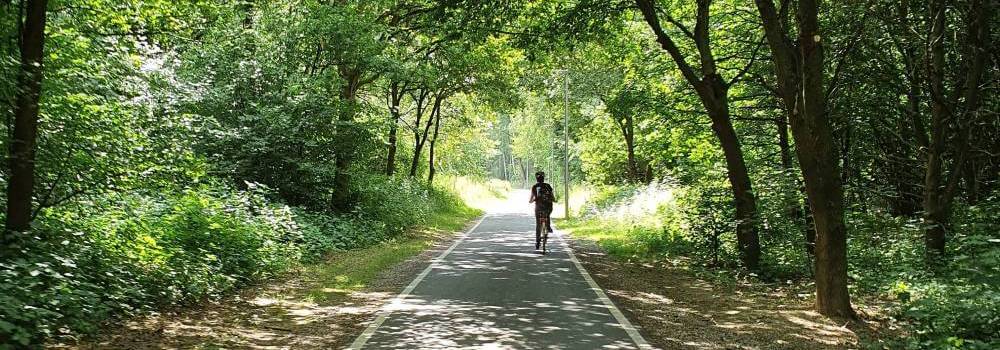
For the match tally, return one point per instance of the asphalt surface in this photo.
(493, 290)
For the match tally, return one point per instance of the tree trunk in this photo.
(971, 173)
(418, 149)
(524, 171)
(939, 191)
(395, 98)
(430, 164)
(390, 158)
(713, 93)
(800, 81)
(815, 147)
(628, 130)
(935, 215)
(342, 199)
(625, 125)
(794, 208)
(419, 139)
(20, 189)
(739, 181)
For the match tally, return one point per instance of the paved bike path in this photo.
(492, 290)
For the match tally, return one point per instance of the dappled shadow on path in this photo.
(446, 324)
(495, 291)
(680, 311)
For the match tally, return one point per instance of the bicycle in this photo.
(542, 233)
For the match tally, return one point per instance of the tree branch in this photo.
(649, 14)
(680, 26)
(842, 56)
(746, 68)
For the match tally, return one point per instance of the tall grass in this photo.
(633, 222)
(475, 192)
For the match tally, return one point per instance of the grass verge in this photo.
(351, 271)
(625, 240)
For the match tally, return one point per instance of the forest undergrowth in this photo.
(201, 242)
(955, 306)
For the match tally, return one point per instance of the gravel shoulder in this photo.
(675, 309)
(280, 314)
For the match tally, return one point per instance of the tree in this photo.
(625, 107)
(713, 92)
(950, 119)
(20, 188)
(620, 79)
(394, 99)
(431, 169)
(347, 134)
(799, 69)
(423, 98)
(362, 27)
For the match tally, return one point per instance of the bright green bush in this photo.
(395, 202)
(473, 190)
(643, 221)
(388, 207)
(949, 314)
(88, 261)
(955, 305)
(323, 233)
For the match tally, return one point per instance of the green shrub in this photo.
(115, 256)
(949, 314)
(956, 305)
(472, 190)
(952, 306)
(395, 202)
(388, 206)
(86, 262)
(324, 233)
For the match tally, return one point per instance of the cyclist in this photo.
(543, 196)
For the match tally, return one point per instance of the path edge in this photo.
(385, 310)
(632, 331)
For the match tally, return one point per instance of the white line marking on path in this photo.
(387, 309)
(622, 320)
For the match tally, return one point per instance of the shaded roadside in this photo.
(677, 310)
(316, 307)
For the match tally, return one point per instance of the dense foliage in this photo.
(921, 235)
(947, 306)
(183, 151)
(161, 152)
(118, 256)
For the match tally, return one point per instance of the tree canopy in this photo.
(852, 144)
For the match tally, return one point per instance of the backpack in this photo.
(544, 194)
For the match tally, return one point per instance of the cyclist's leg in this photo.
(548, 223)
(545, 235)
(538, 231)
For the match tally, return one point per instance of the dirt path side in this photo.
(677, 310)
(281, 314)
